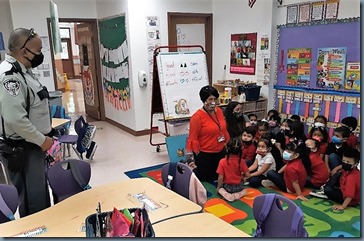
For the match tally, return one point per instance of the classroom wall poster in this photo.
(304, 13)
(352, 78)
(292, 12)
(243, 53)
(332, 9)
(331, 67)
(298, 66)
(317, 11)
(153, 41)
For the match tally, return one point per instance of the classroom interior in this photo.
(123, 130)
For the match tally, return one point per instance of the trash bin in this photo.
(55, 98)
(252, 91)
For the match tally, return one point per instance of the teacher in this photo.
(208, 135)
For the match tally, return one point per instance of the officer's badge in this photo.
(12, 86)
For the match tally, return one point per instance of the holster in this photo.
(15, 154)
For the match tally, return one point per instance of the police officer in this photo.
(25, 118)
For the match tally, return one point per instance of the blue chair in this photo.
(8, 202)
(72, 139)
(68, 177)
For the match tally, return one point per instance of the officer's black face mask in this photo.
(37, 60)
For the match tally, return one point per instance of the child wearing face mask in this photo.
(320, 134)
(336, 148)
(282, 136)
(253, 118)
(344, 187)
(263, 128)
(273, 123)
(264, 161)
(232, 170)
(292, 177)
(351, 122)
(249, 147)
(318, 174)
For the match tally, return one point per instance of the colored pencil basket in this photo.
(141, 226)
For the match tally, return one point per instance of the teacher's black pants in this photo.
(207, 164)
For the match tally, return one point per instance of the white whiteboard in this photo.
(181, 76)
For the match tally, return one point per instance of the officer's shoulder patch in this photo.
(12, 86)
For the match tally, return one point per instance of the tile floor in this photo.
(117, 151)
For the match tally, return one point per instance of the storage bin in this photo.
(252, 91)
(249, 106)
(90, 223)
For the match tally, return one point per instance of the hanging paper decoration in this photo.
(114, 54)
(251, 3)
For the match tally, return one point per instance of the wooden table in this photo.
(66, 218)
(197, 225)
(58, 122)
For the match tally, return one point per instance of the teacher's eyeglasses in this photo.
(32, 33)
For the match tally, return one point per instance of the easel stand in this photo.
(157, 102)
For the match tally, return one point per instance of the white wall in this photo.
(137, 13)
(235, 17)
(6, 24)
(34, 14)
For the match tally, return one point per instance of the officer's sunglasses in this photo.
(32, 33)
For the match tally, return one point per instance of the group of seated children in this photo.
(274, 153)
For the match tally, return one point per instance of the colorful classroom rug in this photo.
(320, 219)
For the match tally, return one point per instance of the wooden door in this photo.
(86, 38)
(67, 58)
(192, 24)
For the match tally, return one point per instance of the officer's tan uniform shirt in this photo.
(13, 96)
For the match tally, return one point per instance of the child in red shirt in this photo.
(249, 147)
(294, 174)
(351, 122)
(320, 134)
(263, 128)
(319, 174)
(344, 186)
(232, 170)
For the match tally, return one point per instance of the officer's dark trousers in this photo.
(31, 183)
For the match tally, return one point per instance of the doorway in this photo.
(84, 68)
(192, 29)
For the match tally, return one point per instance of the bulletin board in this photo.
(298, 91)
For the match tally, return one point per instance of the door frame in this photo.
(172, 38)
(98, 87)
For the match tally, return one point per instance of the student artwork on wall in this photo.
(243, 53)
(114, 54)
(331, 67)
(352, 78)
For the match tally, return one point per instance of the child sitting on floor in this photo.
(351, 122)
(344, 186)
(294, 173)
(336, 148)
(264, 161)
(249, 147)
(318, 173)
(232, 170)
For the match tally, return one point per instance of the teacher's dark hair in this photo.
(207, 91)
